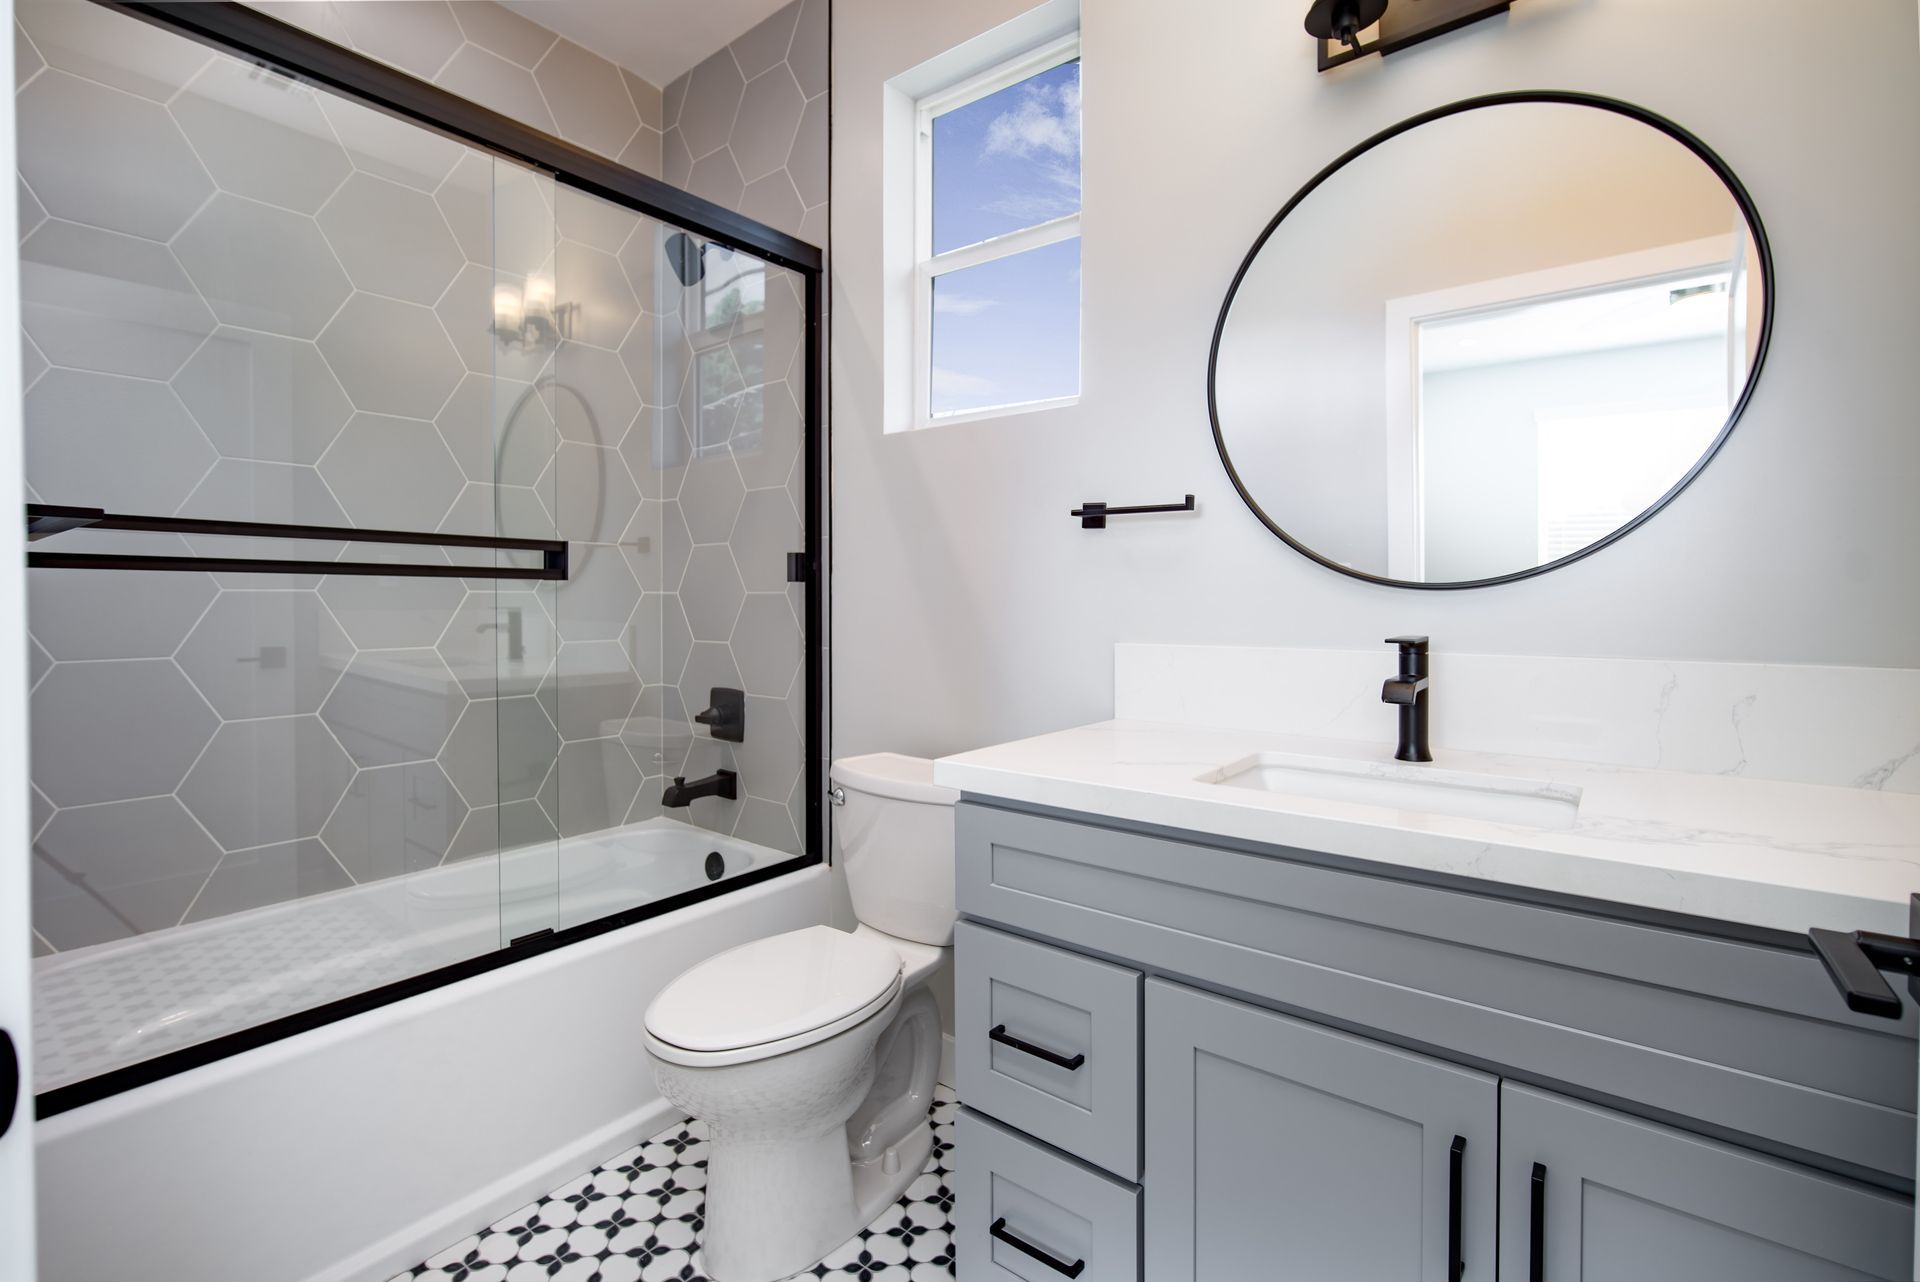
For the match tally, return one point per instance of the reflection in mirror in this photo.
(1507, 372)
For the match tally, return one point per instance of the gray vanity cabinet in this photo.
(1281, 1150)
(1591, 1195)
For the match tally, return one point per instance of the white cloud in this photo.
(961, 304)
(1045, 121)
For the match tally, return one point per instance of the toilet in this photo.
(811, 1056)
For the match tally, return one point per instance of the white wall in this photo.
(968, 606)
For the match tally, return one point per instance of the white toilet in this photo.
(811, 1056)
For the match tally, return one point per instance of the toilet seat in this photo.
(772, 996)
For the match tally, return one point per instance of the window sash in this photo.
(929, 266)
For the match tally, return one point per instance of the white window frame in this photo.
(929, 266)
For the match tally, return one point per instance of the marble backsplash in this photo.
(1849, 727)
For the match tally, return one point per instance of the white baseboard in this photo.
(431, 1234)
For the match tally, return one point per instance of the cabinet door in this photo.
(1282, 1151)
(1590, 1195)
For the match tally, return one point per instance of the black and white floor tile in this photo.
(638, 1219)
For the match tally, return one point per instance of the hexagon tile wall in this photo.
(246, 299)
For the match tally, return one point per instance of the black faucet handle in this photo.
(1414, 645)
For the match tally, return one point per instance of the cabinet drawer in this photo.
(1028, 1212)
(1049, 1041)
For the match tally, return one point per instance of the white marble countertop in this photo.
(1778, 855)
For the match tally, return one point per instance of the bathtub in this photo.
(358, 1148)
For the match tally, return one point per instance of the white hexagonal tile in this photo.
(99, 300)
(593, 497)
(710, 665)
(498, 29)
(676, 639)
(111, 48)
(593, 400)
(597, 782)
(711, 593)
(766, 458)
(391, 238)
(418, 38)
(265, 654)
(771, 756)
(809, 54)
(88, 747)
(74, 420)
(500, 750)
(765, 46)
(392, 357)
(249, 879)
(589, 99)
(712, 100)
(114, 614)
(265, 782)
(478, 643)
(767, 645)
(393, 706)
(676, 162)
(717, 178)
(262, 268)
(595, 603)
(642, 152)
(466, 200)
(597, 688)
(769, 115)
(381, 613)
(391, 148)
(497, 84)
(260, 396)
(249, 490)
(392, 473)
(773, 201)
(466, 313)
(261, 135)
(710, 497)
(107, 872)
(657, 449)
(599, 224)
(767, 530)
(84, 147)
(593, 280)
(393, 820)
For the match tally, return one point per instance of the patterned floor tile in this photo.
(638, 1219)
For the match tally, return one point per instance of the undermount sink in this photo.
(1532, 803)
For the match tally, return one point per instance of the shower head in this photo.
(687, 257)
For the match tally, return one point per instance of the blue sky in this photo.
(1008, 331)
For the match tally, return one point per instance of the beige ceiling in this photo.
(660, 40)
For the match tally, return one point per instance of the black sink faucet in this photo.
(724, 784)
(1409, 691)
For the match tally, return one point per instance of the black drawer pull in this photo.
(1054, 1262)
(1537, 1230)
(1000, 1034)
(1456, 1158)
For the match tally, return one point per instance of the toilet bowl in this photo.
(812, 1055)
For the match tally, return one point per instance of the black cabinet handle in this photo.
(1456, 1159)
(1000, 1034)
(1054, 1262)
(1537, 1231)
(1854, 962)
(9, 1081)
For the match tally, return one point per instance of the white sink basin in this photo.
(1530, 803)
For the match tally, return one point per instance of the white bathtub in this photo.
(358, 1148)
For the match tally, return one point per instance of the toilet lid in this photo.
(773, 989)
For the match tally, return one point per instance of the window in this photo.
(997, 240)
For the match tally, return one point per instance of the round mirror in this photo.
(1490, 340)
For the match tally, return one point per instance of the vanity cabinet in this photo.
(1293, 1067)
(1591, 1195)
(1281, 1149)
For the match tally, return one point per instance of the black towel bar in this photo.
(1093, 516)
(45, 520)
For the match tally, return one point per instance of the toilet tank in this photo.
(894, 836)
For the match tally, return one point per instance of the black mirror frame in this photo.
(1615, 105)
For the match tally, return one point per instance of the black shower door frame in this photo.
(247, 33)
